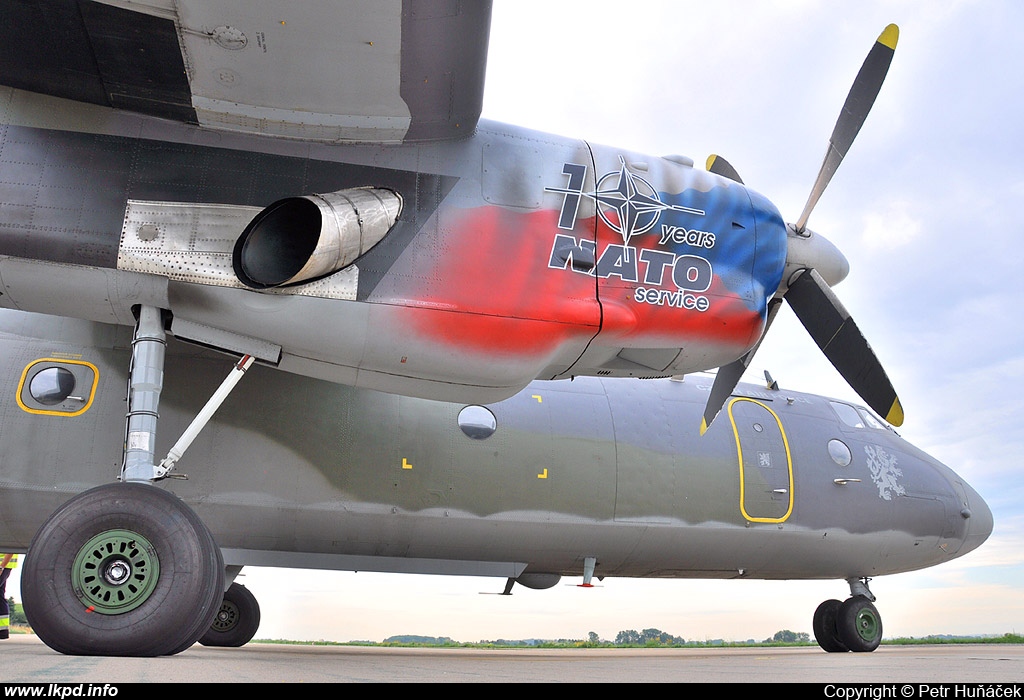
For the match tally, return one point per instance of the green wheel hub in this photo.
(867, 624)
(115, 571)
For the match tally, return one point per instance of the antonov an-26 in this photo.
(467, 348)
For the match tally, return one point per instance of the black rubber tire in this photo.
(824, 626)
(236, 621)
(181, 596)
(216, 594)
(859, 624)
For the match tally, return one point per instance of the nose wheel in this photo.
(824, 625)
(859, 625)
(851, 625)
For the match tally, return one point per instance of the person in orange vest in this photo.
(7, 563)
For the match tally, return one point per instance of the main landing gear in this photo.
(851, 625)
(122, 570)
(128, 569)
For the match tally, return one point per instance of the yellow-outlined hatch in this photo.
(67, 401)
(761, 444)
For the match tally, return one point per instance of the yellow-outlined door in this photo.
(766, 465)
(54, 386)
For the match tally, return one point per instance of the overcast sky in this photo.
(925, 208)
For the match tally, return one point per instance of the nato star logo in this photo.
(626, 203)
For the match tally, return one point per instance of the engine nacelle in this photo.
(300, 239)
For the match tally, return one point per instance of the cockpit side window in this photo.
(870, 420)
(848, 414)
(857, 417)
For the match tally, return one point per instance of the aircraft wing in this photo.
(325, 70)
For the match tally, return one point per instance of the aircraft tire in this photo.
(217, 595)
(122, 570)
(824, 626)
(237, 620)
(859, 624)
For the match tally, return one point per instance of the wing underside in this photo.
(325, 70)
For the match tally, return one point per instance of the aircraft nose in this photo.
(979, 520)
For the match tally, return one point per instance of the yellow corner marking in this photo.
(543, 474)
(406, 464)
(539, 398)
(889, 36)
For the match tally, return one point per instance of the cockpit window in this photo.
(848, 414)
(856, 417)
(870, 420)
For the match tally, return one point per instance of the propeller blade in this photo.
(729, 376)
(855, 111)
(720, 166)
(835, 332)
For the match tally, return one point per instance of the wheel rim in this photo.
(227, 617)
(866, 623)
(115, 571)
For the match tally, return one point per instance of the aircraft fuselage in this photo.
(299, 472)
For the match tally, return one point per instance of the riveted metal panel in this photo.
(193, 243)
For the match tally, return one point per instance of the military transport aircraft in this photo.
(308, 187)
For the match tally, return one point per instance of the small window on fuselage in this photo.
(477, 422)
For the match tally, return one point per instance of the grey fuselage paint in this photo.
(300, 472)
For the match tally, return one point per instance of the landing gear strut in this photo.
(851, 625)
(128, 569)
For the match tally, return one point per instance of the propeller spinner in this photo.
(813, 264)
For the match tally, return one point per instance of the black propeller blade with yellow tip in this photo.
(720, 166)
(858, 103)
(729, 376)
(838, 336)
(813, 301)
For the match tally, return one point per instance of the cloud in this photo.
(892, 228)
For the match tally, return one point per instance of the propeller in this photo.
(812, 263)
(858, 103)
(720, 166)
(838, 336)
(729, 375)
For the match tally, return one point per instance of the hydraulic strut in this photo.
(146, 381)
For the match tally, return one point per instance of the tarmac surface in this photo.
(27, 660)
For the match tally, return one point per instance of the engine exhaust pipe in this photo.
(301, 239)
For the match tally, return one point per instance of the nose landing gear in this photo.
(851, 625)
